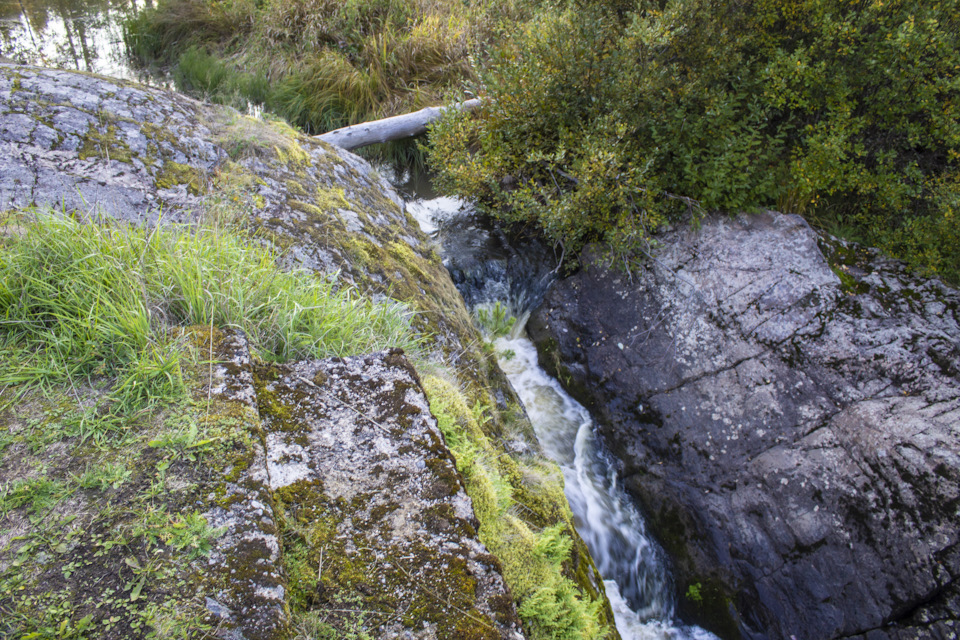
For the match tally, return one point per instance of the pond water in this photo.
(85, 35)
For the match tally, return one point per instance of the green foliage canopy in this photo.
(603, 122)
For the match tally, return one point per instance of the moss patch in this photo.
(174, 173)
(105, 145)
(526, 522)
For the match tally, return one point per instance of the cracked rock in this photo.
(789, 423)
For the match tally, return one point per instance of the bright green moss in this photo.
(174, 173)
(551, 604)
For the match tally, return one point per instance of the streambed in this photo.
(487, 271)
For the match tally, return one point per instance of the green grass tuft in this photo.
(79, 301)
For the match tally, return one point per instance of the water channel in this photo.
(86, 35)
(487, 271)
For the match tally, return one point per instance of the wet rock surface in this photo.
(790, 424)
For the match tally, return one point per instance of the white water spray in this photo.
(633, 567)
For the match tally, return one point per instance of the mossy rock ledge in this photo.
(309, 499)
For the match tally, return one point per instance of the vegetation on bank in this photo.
(605, 121)
(104, 335)
(80, 300)
(524, 520)
(108, 446)
(318, 63)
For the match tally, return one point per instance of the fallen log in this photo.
(390, 129)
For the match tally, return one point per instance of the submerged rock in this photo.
(789, 422)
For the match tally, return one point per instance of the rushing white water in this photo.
(633, 567)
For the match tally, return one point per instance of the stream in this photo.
(487, 270)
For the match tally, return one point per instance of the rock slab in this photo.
(373, 503)
(787, 412)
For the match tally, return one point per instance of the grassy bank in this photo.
(109, 443)
(320, 64)
(525, 521)
(81, 300)
(113, 438)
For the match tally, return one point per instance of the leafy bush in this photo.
(494, 319)
(604, 122)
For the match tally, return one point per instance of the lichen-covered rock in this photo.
(245, 587)
(78, 141)
(790, 424)
(378, 524)
(99, 148)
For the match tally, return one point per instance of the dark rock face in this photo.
(789, 423)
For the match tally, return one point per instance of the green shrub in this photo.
(603, 122)
(161, 35)
(494, 321)
(556, 611)
(202, 74)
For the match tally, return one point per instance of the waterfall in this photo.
(633, 566)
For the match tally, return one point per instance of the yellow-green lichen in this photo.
(331, 199)
(292, 154)
(174, 173)
(305, 207)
